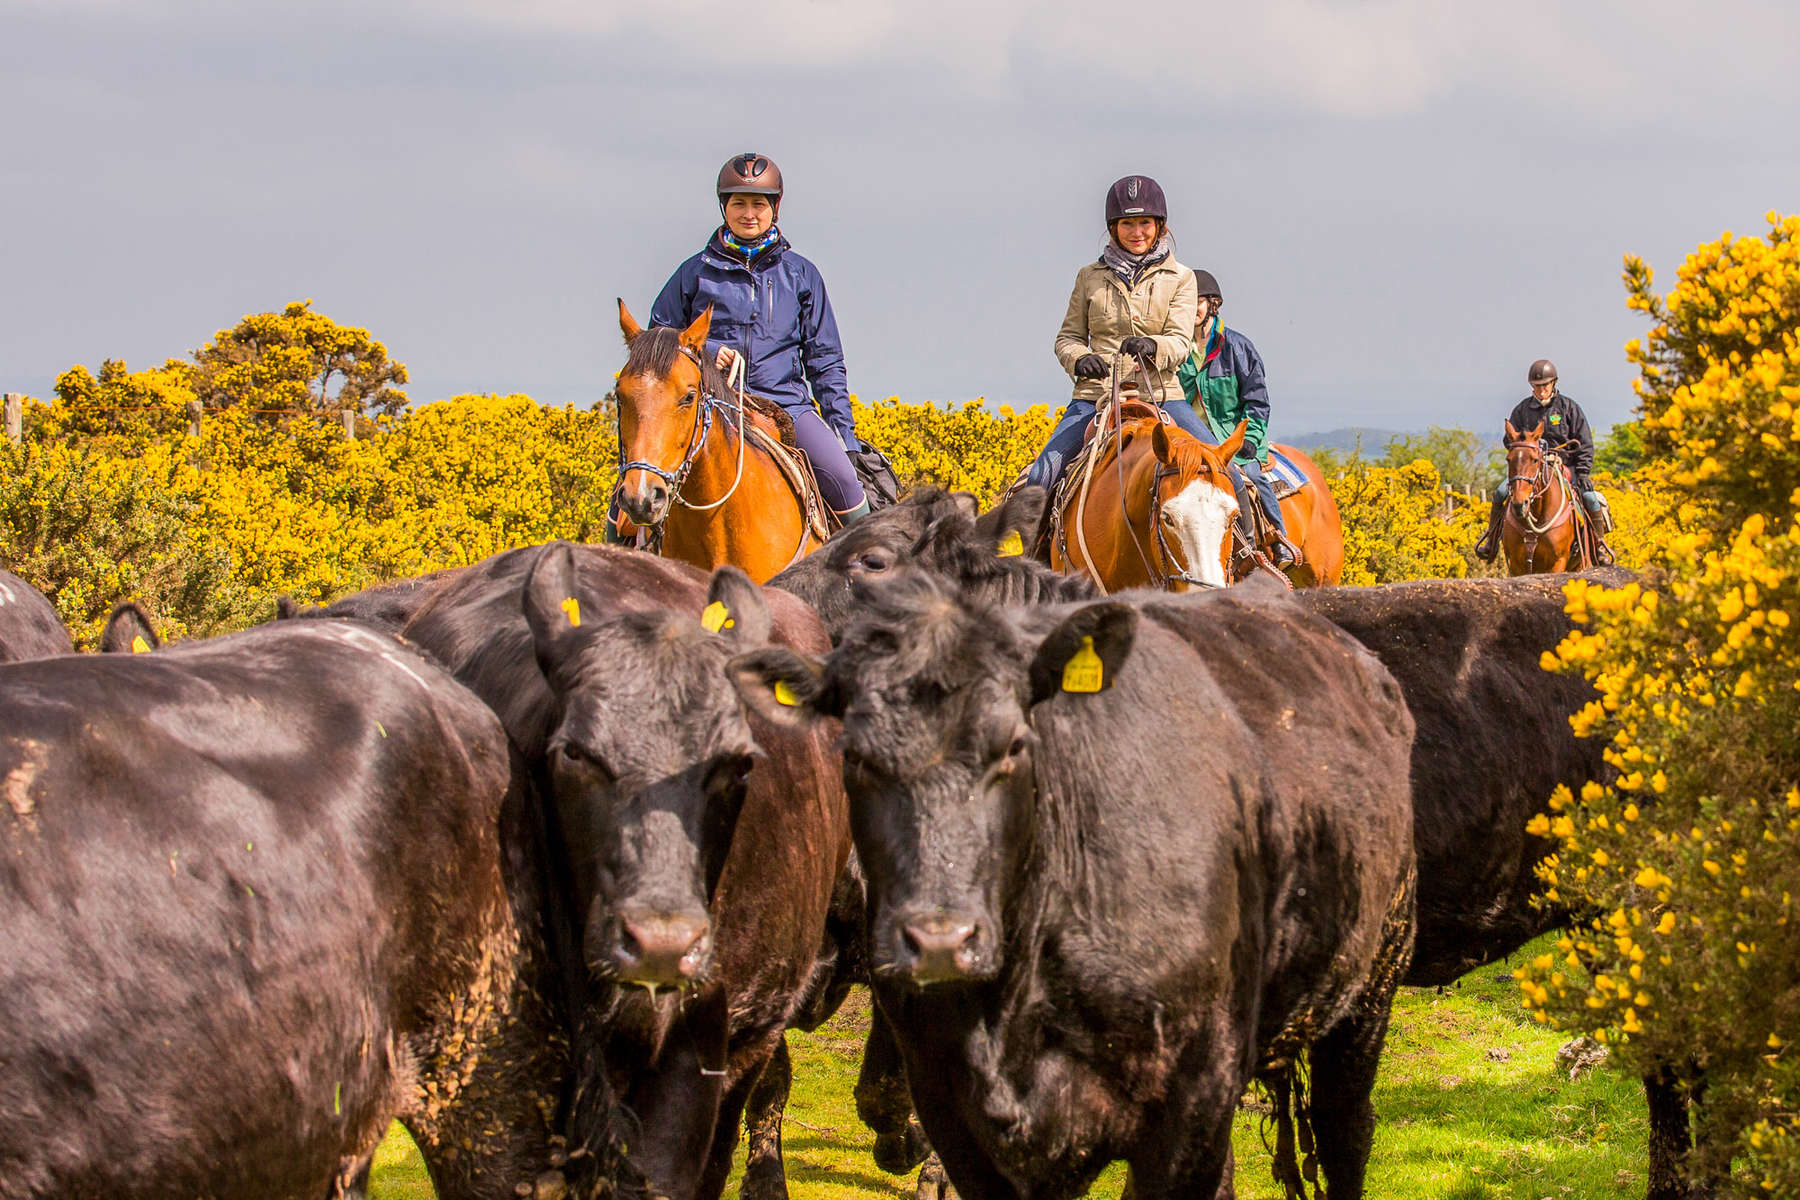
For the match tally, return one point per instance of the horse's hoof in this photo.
(898, 1153)
(933, 1183)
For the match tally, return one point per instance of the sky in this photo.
(1405, 201)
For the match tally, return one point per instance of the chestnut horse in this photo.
(1158, 508)
(685, 466)
(1538, 533)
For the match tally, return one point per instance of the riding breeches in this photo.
(838, 483)
(1265, 490)
(1065, 439)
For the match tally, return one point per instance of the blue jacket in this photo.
(776, 315)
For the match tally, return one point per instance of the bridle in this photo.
(697, 441)
(1540, 481)
(1180, 574)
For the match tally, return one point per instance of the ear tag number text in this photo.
(1084, 671)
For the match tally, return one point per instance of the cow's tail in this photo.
(1294, 1159)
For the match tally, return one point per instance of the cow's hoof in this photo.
(764, 1180)
(933, 1183)
(898, 1153)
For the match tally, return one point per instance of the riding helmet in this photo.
(750, 173)
(1136, 196)
(1206, 285)
(1542, 371)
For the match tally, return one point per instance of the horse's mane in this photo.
(654, 351)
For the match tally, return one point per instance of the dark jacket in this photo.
(1565, 430)
(1238, 360)
(776, 314)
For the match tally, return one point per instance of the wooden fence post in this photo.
(348, 417)
(194, 410)
(15, 417)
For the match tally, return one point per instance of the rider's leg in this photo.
(1064, 444)
(1189, 421)
(838, 484)
(1488, 547)
(1265, 492)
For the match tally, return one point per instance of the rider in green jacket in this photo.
(1223, 380)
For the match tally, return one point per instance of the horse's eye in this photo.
(687, 401)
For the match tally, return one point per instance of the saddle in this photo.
(1590, 539)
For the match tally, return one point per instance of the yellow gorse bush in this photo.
(1688, 855)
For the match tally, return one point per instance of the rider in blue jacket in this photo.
(769, 308)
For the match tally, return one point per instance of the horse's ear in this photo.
(627, 323)
(1230, 447)
(694, 336)
(1159, 443)
(1537, 433)
(1512, 435)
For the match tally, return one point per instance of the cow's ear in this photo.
(1011, 527)
(735, 610)
(784, 687)
(966, 504)
(552, 608)
(128, 631)
(1084, 653)
(286, 607)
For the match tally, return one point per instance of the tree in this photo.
(1621, 452)
(298, 360)
(1689, 851)
(1463, 458)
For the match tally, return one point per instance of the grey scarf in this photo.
(1131, 267)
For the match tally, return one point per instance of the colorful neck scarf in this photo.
(1131, 267)
(749, 249)
(1214, 340)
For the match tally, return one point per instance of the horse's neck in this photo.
(757, 527)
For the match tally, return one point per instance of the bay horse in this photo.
(686, 468)
(1538, 533)
(1157, 509)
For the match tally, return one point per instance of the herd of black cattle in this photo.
(542, 856)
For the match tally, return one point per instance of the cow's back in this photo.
(1493, 742)
(254, 908)
(29, 626)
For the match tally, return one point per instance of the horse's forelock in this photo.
(655, 352)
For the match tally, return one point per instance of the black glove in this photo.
(1090, 366)
(1138, 347)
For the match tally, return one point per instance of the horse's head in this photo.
(1198, 501)
(1524, 465)
(659, 393)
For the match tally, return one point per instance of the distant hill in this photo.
(1344, 440)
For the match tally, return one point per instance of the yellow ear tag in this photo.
(572, 607)
(716, 617)
(139, 645)
(1084, 671)
(1011, 546)
(785, 694)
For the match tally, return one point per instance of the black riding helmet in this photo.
(1206, 285)
(1542, 371)
(752, 174)
(1136, 196)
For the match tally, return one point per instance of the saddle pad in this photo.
(799, 477)
(1284, 473)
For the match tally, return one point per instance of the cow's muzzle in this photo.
(658, 949)
(942, 948)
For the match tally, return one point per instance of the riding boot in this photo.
(1488, 548)
(855, 514)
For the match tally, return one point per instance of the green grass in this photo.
(1470, 1102)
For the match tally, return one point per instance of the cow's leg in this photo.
(883, 1102)
(765, 1176)
(1669, 1138)
(1344, 1062)
(1199, 1164)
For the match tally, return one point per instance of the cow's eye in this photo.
(872, 561)
(1018, 746)
(576, 753)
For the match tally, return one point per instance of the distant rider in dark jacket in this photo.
(1566, 432)
(770, 308)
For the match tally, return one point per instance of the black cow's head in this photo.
(936, 692)
(940, 531)
(648, 757)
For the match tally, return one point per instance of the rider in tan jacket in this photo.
(1136, 299)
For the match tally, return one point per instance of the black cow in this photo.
(701, 876)
(256, 906)
(29, 626)
(387, 606)
(1104, 894)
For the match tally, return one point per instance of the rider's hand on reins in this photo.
(1091, 366)
(725, 355)
(1140, 348)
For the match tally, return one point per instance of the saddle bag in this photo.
(879, 483)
